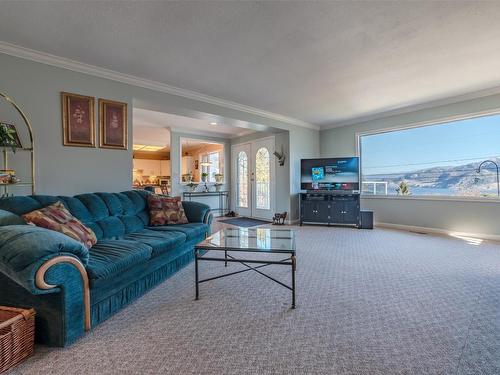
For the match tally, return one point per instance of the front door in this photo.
(262, 181)
(241, 185)
(253, 171)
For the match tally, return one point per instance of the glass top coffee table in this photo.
(236, 241)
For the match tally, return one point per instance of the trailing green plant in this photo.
(7, 138)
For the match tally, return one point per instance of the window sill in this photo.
(433, 198)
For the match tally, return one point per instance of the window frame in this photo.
(222, 158)
(206, 157)
(420, 124)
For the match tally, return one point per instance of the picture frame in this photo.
(113, 130)
(16, 141)
(78, 120)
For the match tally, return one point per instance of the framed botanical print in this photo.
(78, 120)
(113, 124)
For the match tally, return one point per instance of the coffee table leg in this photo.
(294, 266)
(196, 272)
(225, 257)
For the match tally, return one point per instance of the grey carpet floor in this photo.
(369, 302)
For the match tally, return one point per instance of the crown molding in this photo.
(201, 133)
(76, 66)
(415, 107)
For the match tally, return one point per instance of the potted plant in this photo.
(204, 176)
(7, 138)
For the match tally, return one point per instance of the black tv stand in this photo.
(330, 207)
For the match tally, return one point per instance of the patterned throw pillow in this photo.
(165, 210)
(56, 217)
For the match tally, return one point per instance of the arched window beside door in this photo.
(242, 179)
(262, 179)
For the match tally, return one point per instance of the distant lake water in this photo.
(431, 191)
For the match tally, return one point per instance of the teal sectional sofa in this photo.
(73, 288)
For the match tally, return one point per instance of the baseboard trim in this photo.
(413, 228)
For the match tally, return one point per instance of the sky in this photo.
(453, 143)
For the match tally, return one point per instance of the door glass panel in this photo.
(262, 179)
(242, 182)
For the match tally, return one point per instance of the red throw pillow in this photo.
(165, 210)
(57, 217)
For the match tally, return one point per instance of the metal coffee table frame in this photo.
(289, 261)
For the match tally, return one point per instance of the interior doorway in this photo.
(253, 171)
(151, 159)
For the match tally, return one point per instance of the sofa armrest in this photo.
(24, 248)
(44, 262)
(196, 212)
(209, 217)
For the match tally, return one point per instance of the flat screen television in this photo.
(329, 174)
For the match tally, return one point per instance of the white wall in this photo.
(304, 143)
(63, 170)
(448, 215)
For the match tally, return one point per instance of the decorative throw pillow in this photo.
(56, 217)
(165, 210)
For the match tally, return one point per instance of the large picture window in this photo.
(457, 158)
(213, 167)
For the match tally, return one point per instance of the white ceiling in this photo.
(317, 61)
(189, 144)
(151, 136)
(146, 118)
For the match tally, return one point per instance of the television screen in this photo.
(330, 174)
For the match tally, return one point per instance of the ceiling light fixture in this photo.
(213, 124)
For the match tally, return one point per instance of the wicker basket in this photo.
(17, 335)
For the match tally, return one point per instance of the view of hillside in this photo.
(458, 180)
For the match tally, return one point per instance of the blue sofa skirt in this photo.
(59, 323)
(108, 299)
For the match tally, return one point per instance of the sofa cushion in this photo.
(159, 241)
(19, 205)
(57, 218)
(113, 203)
(191, 230)
(9, 218)
(109, 258)
(165, 210)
